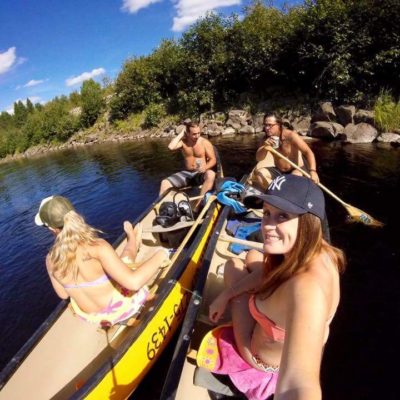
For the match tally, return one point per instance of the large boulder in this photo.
(232, 124)
(364, 116)
(302, 125)
(345, 114)
(325, 130)
(360, 133)
(214, 128)
(241, 117)
(388, 137)
(324, 113)
(246, 129)
(228, 131)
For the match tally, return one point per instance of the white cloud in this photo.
(7, 60)
(133, 6)
(188, 11)
(84, 76)
(34, 82)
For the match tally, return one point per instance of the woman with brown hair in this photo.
(282, 301)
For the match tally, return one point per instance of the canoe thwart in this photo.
(254, 245)
(177, 226)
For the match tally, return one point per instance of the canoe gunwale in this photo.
(175, 369)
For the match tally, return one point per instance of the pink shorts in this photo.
(218, 353)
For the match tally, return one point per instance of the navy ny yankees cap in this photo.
(294, 194)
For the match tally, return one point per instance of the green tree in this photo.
(135, 88)
(75, 99)
(92, 102)
(29, 106)
(20, 113)
(168, 63)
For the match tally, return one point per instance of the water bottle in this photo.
(276, 141)
(198, 163)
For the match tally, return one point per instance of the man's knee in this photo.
(209, 176)
(165, 185)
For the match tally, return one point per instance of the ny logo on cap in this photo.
(277, 183)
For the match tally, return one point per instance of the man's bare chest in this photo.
(193, 151)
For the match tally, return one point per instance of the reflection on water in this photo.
(109, 183)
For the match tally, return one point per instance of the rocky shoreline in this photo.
(343, 123)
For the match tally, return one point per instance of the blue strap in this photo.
(232, 186)
(228, 201)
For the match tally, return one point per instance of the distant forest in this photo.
(344, 51)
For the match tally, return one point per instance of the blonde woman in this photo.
(101, 285)
(282, 301)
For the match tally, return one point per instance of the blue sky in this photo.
(48, 48)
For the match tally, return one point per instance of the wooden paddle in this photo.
(248, 243)
(355, 213)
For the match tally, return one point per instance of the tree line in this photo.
(345, 51)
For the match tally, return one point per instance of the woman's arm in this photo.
(121, 273)
(254, 265)
(58, 288)
(306, 318)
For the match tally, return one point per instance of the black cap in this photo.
(293, 194)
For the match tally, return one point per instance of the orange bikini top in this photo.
(269, 327)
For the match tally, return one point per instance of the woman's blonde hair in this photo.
(75, 232)
(309, 243)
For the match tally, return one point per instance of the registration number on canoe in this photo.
(158, 337)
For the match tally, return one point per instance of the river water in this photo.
(109, 183)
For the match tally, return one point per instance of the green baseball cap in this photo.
(52, 211)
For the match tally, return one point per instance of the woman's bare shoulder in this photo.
(317, 279)
(254, 256)
(98, 246)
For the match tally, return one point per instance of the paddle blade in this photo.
(357, 215)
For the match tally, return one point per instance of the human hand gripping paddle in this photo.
(355, 213)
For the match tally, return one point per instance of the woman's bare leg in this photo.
(134, 240)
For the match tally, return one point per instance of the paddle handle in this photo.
(272, 150)
(248, 243)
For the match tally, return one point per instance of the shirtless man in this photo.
(288, 143)
(199, 159)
